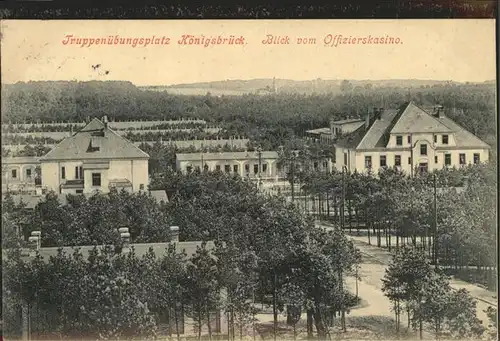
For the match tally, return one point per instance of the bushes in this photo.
(94, 220)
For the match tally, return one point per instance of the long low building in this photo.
(245, 164)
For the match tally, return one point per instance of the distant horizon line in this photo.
(264, 78)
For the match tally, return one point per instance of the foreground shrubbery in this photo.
(263, 247)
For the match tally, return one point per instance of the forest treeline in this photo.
(269, 119)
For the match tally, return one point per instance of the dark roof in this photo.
(377, 135)
(140, 249)
(352, 140)
(226, 156)
(463, 138)
(111, 145)
(32, 200)
(414, 119)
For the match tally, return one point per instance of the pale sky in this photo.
(459, 50)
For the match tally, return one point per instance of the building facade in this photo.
(20, 174)
(410, 139)
(95, 158)
(245, 164)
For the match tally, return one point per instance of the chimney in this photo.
(87, 119)
(35, 240)
(380, 111)
(174, 234)
(125, 237)
(105, 121)
(367, 121)
(70, 130)
(437, 110)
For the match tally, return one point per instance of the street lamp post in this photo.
(202, 168)
(293, 175)
(259, 153)
(342, 223)
(435, 222)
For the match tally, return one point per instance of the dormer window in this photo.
(99, 133)
(94, 145)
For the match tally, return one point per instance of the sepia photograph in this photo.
(243, 180)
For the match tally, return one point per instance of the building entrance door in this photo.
(423, 167)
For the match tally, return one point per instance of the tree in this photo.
(202, 287)
(460, 316)
(346, 86)
(91, 297)
(493, 322)
(294, 298)
(434, 303)
(404, 279)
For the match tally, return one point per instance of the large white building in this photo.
(410, 139)
(95, 158)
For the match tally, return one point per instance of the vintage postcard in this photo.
(257, 180)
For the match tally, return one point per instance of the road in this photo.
(373, 267)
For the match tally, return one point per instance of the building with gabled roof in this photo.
(96, 158)
(410, 139)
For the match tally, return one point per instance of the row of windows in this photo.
(13, 173)
(399, 139)
(397, 160)
(78, 172)
(96, 177)
(227, 168)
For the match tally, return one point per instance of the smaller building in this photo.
(342, 127)
(245, 164)
(20, 174)
(320, 135)
(96, 158)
